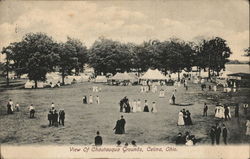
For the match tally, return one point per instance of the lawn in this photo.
(82, 121)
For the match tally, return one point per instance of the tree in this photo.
(34, 55)
(81, 53)
(108, 56)
(247, 51)
(6, 65)
(214, 54)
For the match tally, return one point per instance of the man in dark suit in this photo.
(224, 134)
(61, 117)
(217, 134)
(212, 134)
(98, 139)
(122, 122)
(205, 109)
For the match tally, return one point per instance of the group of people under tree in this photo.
(56, 118)
(184, 118)
(216, 132)
(120, 126)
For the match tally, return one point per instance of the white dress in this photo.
(98, 100)
(90, 99)
(180, 119)
(248, 127)
(162, 93)
(215, 88)
(134, 106)
(154, 108)
(138, 103)
(229, 112)
(142, 89)
(217, 112)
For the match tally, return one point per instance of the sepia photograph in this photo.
(124, 79)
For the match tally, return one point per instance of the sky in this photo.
(129, 21)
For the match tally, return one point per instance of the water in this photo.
(236, 68)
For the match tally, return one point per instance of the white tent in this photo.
(101, 79)
(24, 76)
(122, 76)
(68, 79)
(31, 84)
(53, 78)
(153, 75)
(225, 74)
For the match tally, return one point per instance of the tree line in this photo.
(37, 54)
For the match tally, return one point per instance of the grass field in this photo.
(82, 121)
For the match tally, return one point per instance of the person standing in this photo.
(224, 134)
(134, 105)
(189, 120)
(248, 127)
(97, 100)
(217, 134)
(9, 111)
(55, 118)
(61, 117)
(121, 105)
(50, 117)
(212, 134)
(138, 105)
(180, 119)
(17, 107)
(237, 111)
(90, 99)
(205, 109)
(226, 113)
(117, 128)
(122, 122)
(98, 139)
(245, 106)
(173, 99)
(154, 110)
(32, 111)
(184, 116)
(84, 100)
(52, 105)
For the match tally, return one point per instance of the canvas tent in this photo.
(122, 77)
(53, 78)
(31, 84)
(101, 79)
(153, 75)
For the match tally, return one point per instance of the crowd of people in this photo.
(56, 118)
(216, 132)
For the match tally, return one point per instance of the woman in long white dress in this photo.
(138, 103)
(217, 111)
(215, 88)
(229, 112)
(180, 119)
(142, 89)
(162, 93)
(154, 110)
(248, 127)
(134, 104)
(90, 99)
